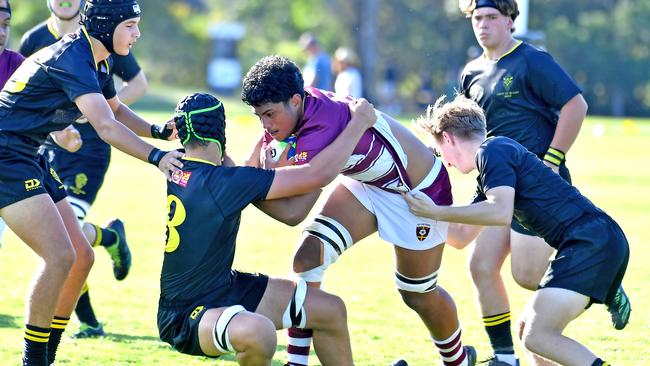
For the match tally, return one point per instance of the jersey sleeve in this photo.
(125, 67)
(26, 47)
(496, 165)
(549, 81)
(479, 196)
(463, 82)
(75, 74)
(233, 188)
(108, 89)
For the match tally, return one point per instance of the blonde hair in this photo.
(461, 117)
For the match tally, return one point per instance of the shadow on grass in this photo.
(10, 321)
(117, 337)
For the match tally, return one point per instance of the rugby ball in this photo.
(277, 147)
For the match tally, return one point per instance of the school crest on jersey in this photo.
(507, 82)
(181, 178)
(422, 231)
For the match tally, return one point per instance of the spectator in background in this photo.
(348, 77)
(388, 88)
(317, 71)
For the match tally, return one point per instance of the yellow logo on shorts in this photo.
(422, 231)
(197, 312)
(32, 184)
(80, 181)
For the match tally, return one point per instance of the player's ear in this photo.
(447, 137)
(295, 100)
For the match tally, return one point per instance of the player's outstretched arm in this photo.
(95, 107)
(460, 235)
(290, 210)
(495, 211)
(133, 89)
(568, 127)
(138, 125)
(324, 167)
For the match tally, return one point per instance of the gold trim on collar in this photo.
(50, 27)
(198, 160)
(92, 49)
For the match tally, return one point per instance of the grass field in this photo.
(609, 164)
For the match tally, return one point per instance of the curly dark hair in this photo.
(201, 118)
(273, 79)
(508, 8)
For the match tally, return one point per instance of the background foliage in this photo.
(603, 44)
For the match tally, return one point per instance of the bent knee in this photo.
(254, 333)
(340, 312)
(419, 301)
(308, 255)
(534, 340)
(527, 277)
(85, 257)
(64, 258)
(483, 270)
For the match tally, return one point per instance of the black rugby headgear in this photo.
(6, 9)
(101, 17)
(201, 116)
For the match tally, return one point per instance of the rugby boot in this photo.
(619, 308)
(86, 331)
(471, 355)
(119, 252)
(399, 363)
(494, 361)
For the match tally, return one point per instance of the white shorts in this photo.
(395, 223)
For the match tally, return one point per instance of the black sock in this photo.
(84, 310)
(498, 330)
(58, 327)
(35, 351)
(600, 362)
(104, 236)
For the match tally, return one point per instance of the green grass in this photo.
(612, 170)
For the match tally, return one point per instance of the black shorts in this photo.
(564, 173)
(591, 259)
(178, 325)
(82, 172)
(24, 176)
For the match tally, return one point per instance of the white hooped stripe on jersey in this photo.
(220, 334)
(295, 315)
